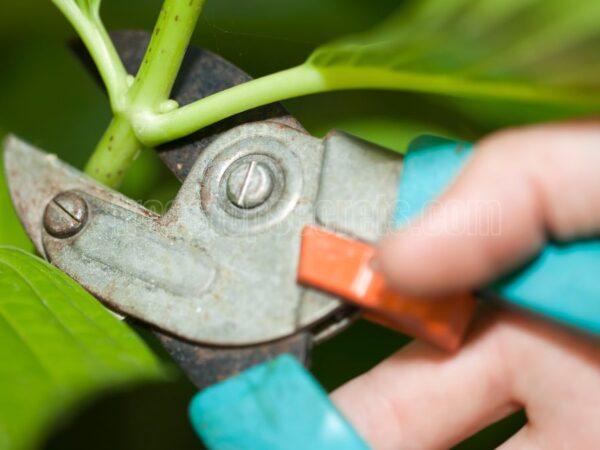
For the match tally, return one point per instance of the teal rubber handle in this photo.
(562, 282)
(277, 405)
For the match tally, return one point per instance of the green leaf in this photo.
(542, 50)
(11, 231)
(58, 348)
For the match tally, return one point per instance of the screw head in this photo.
(250, 184)
(65, 215)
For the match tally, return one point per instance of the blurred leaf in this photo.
(264, 36)
(393, 134)
(536, 51)
(59, 347)
(489, 115)
(11, 231)
(541, 50)
(48, 98)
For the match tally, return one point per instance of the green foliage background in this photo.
(48, 99)
(59, 347)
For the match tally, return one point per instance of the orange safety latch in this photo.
(342, 267)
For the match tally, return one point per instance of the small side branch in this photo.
(155, 129)
(89, 26)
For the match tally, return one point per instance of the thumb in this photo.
(521, 187)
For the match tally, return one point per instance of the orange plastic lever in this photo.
(342, 267)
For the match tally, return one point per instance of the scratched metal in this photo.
(121, 257)
(35, 178)
(364, 207)
(192, 273)
(202, 272)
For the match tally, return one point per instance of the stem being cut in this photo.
(149, 93)
(155, 129)
(115, 153)
(161, 64)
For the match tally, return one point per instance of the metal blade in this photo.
(35, 178)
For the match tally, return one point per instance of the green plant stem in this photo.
(161, 64)
(155, 129)
(159, 128)
(114, 154)
(150, 91)
(98, 43)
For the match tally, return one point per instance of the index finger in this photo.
(542, 181)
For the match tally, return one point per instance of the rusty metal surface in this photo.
(207, 271)
(35, 178)
(65, 215)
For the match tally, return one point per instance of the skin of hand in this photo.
(546, 182)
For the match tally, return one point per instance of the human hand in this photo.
(545, 181)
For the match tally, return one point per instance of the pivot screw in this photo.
(250, 184)
(65, 215)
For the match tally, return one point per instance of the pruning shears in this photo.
(265, 252)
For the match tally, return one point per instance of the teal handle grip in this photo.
(561, 282)
(276, 405)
